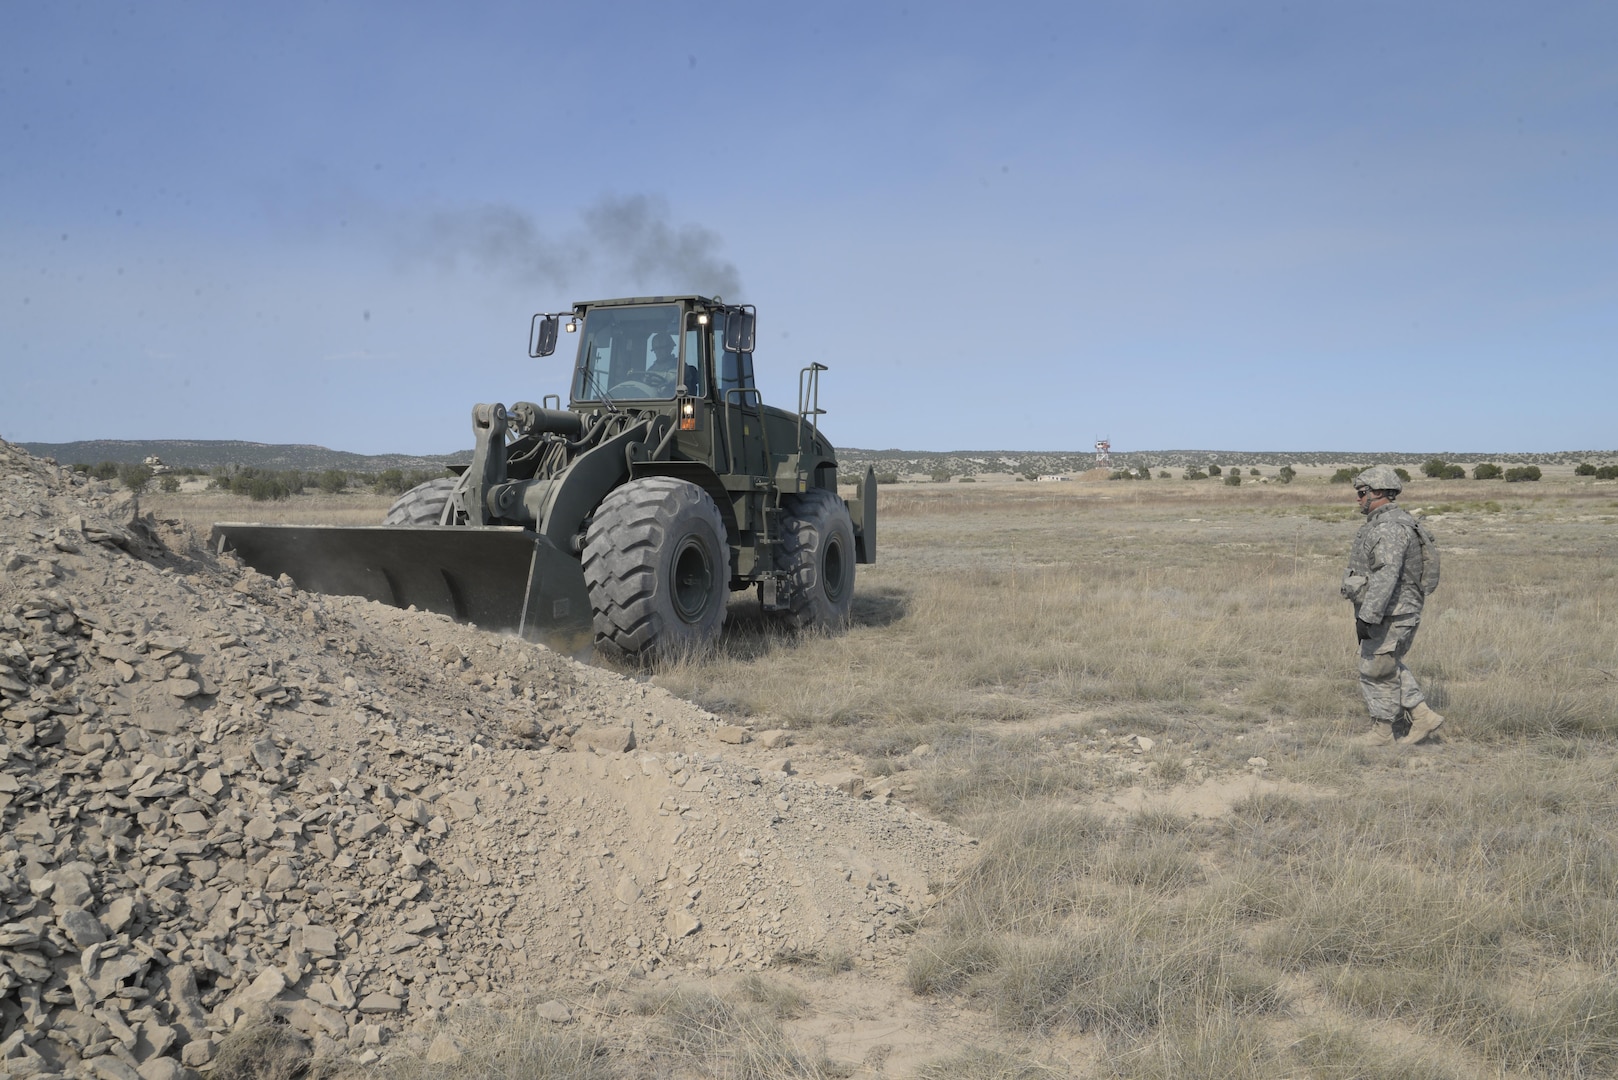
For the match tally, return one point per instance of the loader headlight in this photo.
(572, 326)
(688, 415)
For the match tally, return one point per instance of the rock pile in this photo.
(220, 794)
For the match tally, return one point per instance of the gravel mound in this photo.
(220, 795)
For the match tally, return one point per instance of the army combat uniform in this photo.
(1384, 581)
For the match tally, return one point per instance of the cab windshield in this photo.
(633, 354)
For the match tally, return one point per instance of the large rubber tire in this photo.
(422, 504)
(658, 568)
(817, 553)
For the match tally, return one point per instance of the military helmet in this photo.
(1379, 478)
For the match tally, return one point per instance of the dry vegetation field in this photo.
(1449, 910)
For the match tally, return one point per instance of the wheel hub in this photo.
(834, 577)
(693, 581)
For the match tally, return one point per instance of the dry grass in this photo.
(1469, 903)
(490, 1045)
(1014, 604)
(261, 1048)
(199, 510)
(1350, 1053)
(705, 1035)
(980, 1063)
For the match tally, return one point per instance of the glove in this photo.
(1364, 630)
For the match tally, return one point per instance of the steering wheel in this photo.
(637, 388)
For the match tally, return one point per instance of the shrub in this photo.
(1252, 472)
(1194, 473)
(1213, 470)
(134, 477)
(1163, 474)
(258, 486)
(940, 476)
(1607, 472)
(263, 488)
(332, 481)
(1287, 474)
(1584, 468)
(1435, 468)
(1403, 474)
(1234, 479)
(889, 478)
(389, 482)
(104, 470)
(1454, 472)
(1344, 476)
(261, 484)
(1522, 472)
(1486, 471)
(170, 484)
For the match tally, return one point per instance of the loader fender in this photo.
(700, 474)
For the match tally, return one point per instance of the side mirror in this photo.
(739, 327)
(542, 336)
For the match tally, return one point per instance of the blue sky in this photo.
(1242, 225)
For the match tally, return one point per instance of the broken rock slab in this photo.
(605, 738)
(682, 923)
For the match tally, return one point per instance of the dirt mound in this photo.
(220, 794)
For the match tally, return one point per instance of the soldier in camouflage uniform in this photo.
(1384, 581)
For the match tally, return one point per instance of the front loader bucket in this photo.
(502, 578)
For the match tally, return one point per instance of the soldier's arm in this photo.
(1387, 559)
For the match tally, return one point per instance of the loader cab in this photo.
(644, 353)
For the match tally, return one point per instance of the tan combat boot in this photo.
(1381, 734)
(1423, 722)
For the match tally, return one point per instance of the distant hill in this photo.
(217, 453)
(972, 462)
(210, 454)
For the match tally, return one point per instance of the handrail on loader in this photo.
(809, 399)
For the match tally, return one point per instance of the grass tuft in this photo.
(978, 1063)
(262, 1048)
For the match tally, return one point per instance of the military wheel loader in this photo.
(629, 515)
